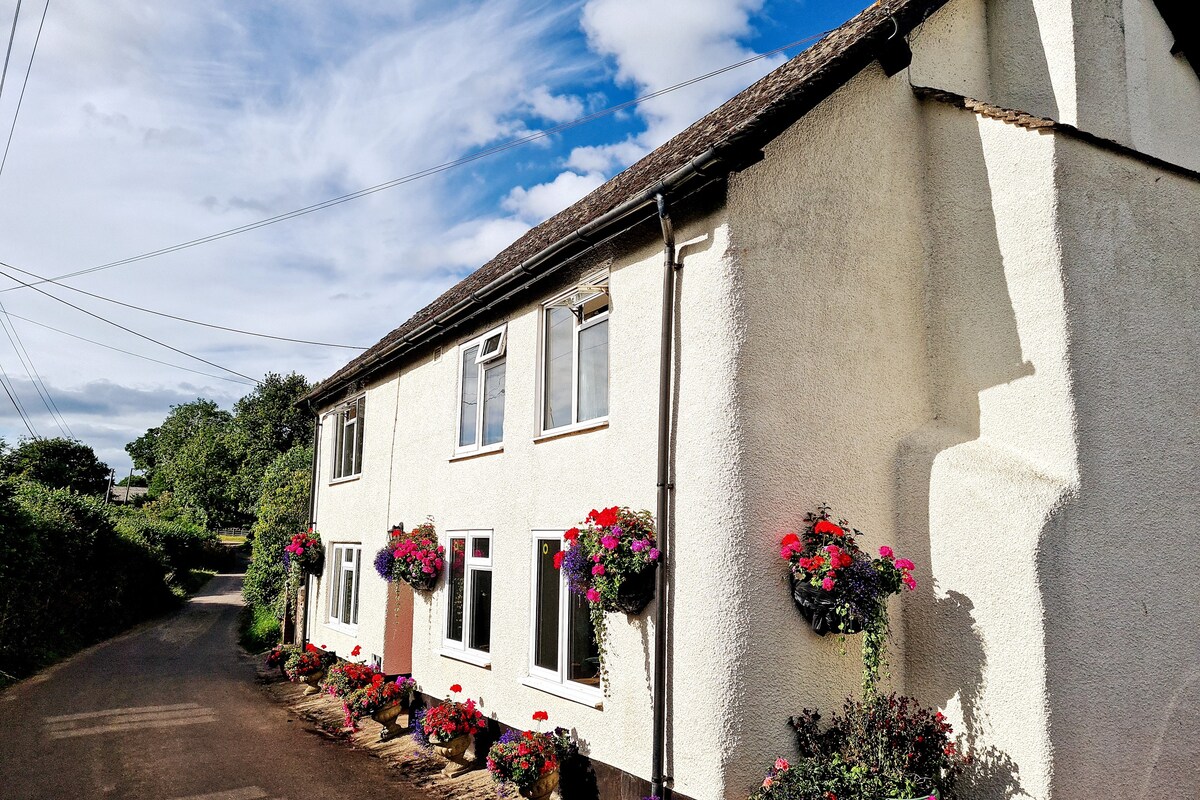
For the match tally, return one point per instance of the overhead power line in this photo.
(414, 176)
(122, 327)
(11, 315)
(41, 279)
(21, 97)
(6, 382)
(8, 53)
(43, 392)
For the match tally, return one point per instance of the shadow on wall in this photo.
(973, 345)
(1018, 67)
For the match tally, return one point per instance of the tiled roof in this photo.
(747, 121)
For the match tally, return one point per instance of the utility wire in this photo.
(14, 339)
(5, 381)
(41, 279)
(21, 98)
(122, 327)
(8, 53)
(11, 315)
(36, 375)
(500, 148)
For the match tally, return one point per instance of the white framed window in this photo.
(574, 353)
(481, 392)
(345, 568)
(563, 657)
(467, 631)
(348, 438)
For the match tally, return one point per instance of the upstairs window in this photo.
(481, 392)
(348, 438)
(575, 358)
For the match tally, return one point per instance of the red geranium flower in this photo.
(791, 538)
(825, 526)
(571, 535)
(540, 716)
(455, 689)
(357, 649)
(558, 558)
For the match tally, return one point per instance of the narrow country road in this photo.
(171, 711)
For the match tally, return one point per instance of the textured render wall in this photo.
(828, 233)
(1164, 90)
(1119, 565)
(552, 485)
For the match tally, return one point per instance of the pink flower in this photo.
(593, 596)
(885, 551)
(767, 781)
(832, 549)
(653, 554)
(909, 581)
(781, 764)
(609, 542)
(827, 584)
(904, 563)
(598, 569)
(638, 545)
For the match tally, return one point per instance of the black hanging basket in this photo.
(636, 592)
(818, 608)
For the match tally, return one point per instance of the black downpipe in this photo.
(658, 782)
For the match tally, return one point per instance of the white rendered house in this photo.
(939, 271)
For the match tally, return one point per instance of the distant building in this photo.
(126, 494)
(950, 290)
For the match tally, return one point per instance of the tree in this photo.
(282, 511)
(57, 463)
(266, 424)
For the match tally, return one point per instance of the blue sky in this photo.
(147, 125)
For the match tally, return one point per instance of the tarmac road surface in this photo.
(171, 711)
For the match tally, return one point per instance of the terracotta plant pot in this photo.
(313, 681)
(817, 606)
(542, 787)
(454, 751)
(389, 718)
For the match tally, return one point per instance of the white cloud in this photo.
(667, 42)
(606, 157)
(554, 107)
(546, 199)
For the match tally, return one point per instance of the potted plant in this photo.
(449, 728)
(279, 656)
(880, 747)
(414, 557)
(611, 559)
(308, 666)
(303, 556)
(383, 701)
(529, 760)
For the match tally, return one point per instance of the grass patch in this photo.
(227, 538)
(257, 629)
(187, 582)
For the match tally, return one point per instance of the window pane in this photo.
(348, 449)
(335, 591)
(493, 404)
(454, 620)
(593, 371)
(470, 397)
(491, 345)
(481, 609)
(560, 332)
(358, 434)
(546, 623)
(583, 655)
(347, 595)
(481, 548)
(339, 433)
(357, 572)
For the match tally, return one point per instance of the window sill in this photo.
(484, 451)
(587, 697)
(475, 657)
(338, 627)
(573, 430)
(345, 479)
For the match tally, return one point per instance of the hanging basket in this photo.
(819, 609)
(636, 592)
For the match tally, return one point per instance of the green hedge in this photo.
(70, 576)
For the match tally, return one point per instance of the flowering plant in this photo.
(452, 719)
(303, 556)
(309, 661)
(414, 557)
(377, 695)
(523, 758)
(880, 747)
(280, 653)
(613, 552)
(346, 677)
(838, 587)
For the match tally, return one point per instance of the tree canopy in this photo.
(58, 464)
